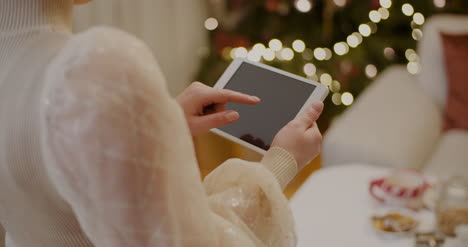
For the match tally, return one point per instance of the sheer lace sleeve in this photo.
(119, 152)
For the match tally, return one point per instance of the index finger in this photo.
(226, 95)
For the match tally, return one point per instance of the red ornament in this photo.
(272, 5)
(375, 4)
(223, 39)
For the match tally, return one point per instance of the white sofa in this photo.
(397, 121)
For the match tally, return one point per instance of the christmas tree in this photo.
(343, 44)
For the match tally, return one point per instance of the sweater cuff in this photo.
(281, 164)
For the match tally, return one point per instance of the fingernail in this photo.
(232, 116)
(318, 106)
(255, 98)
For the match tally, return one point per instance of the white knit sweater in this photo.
(95, 152)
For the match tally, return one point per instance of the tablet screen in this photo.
(282, 98)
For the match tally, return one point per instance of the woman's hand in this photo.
(205, 107)
(301, 137)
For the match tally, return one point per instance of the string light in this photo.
(309, 69)
(417, 34)
(313, 77)
(254, 55)
(319, 53)
(276, 50)
(239, 52)
(411, 55)
(259, 47)
(418, 18)
(341, 48)
(336, 98)
(413, 68)
(335, 86)
(298, 45)
(326, 79)
(211, 23)
(352, 40)
(384, 13)
(226, 53)
(389, 53)
(370, 70)
(385, 3)
(269, 54)
(439, 3)
(407, 9)
(364, 30)
(275, 44)
(347, 99)
(303, 6)
(328, 53)
(374, 16)
(340, 3)
(358, 36)
(287, 54)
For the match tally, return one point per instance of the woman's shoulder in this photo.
(106, 38)
(102, 54)
(101, 65)
(95, 44)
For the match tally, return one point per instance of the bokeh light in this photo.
(341, 48)
(439, 3)
(275, 44)
(418, 18)
(374, 16)
(335, 86)
(336, 98)
(413, 68)
(254, 55)
(347, 98)
(319, 53)
(309, 69)
(303, 5)
(239, 52)
(370, 70)
(385, 3)
(384, 13)
(340, 3)
(417, 34)
(364, 30)
(326, 79)
(389, 53)
(407, 9)
(211, 23)
(298, 45)
(287, 54)
(269, 54)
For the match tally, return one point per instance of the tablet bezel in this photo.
(319, 94)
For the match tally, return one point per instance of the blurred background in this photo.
(343, 44)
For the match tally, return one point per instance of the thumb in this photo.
(310, 115)
(216, 120)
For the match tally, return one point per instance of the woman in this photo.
(94, 151)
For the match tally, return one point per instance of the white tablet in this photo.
(283, 96)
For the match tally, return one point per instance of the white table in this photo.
(333, 209)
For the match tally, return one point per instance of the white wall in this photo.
(172, 28)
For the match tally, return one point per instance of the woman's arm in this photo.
(120, 153)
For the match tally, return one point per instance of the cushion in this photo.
(455, 48)
(432, 79)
